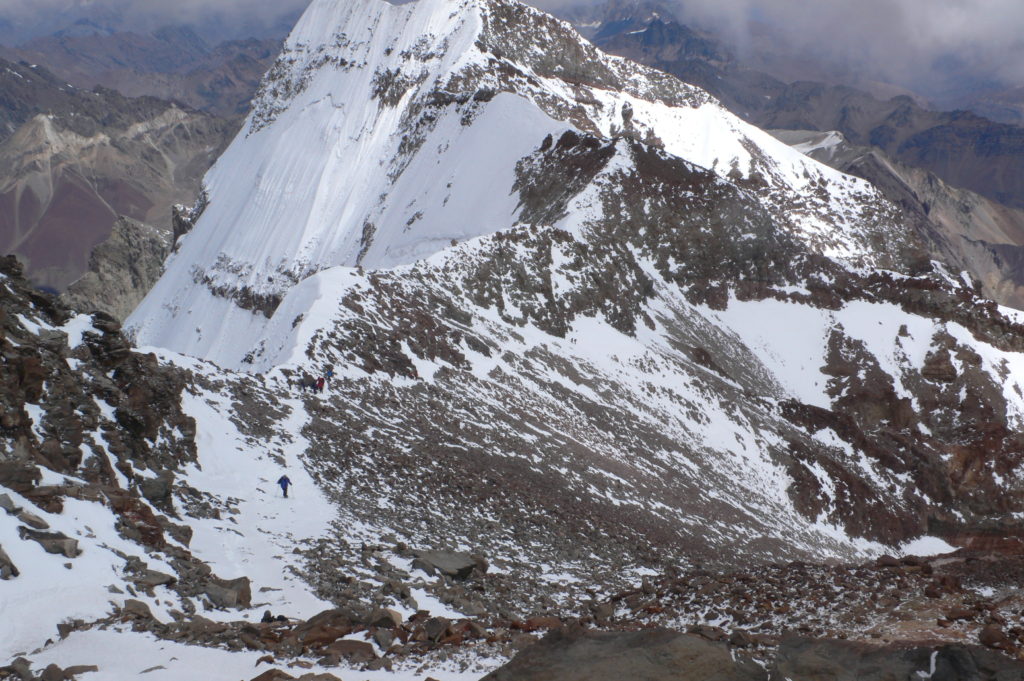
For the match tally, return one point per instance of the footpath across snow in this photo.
(258, 537)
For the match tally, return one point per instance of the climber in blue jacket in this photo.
(284, 482)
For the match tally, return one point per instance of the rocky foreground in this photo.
(390, 608)
(956, 616)
(101, 448)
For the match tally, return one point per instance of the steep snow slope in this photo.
(384, 133)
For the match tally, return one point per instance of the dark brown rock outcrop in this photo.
(648, 655)
(121, 271)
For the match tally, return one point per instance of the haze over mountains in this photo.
(74, 161)
(955, 54)
(24, 20)
(172, 63)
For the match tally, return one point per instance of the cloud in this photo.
(920, 42)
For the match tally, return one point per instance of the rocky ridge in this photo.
(963, 148)
(121, 271)
(961, 228)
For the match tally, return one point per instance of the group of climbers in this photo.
(316, 384)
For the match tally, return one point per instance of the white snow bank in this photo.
(926, 546)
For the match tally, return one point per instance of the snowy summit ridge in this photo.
(384, 133)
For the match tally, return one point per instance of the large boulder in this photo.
(577, 654)
(136, 609)
(353, 651)
(454, 564)
(158, 490)
(278, 675)
(52, 542)
(151, 578)
(273, 675)
(8, 505)
(32, 520)
(229, 593)
(52, 673)
(7, 567)
(804, 659)
(338, 618)
(385, 617)
(20, 477)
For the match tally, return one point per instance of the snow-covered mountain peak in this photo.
(484, 291)
(453, 47)
(386, 133)
(373, 40)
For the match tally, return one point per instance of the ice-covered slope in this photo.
(384, 133)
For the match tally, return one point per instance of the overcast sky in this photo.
(903, 41)
(899, 39)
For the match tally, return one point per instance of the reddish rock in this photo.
(321, 636)
(542, 622)
(741, 639)
(353, 651)
(960, 613)
(273, 675)
(994, 637)
(385, 617)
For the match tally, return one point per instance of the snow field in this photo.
(122, 655)
(257, 541)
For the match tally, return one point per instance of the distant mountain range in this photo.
(72, 161)
(127, 129)
(962, 228)
(172, 63)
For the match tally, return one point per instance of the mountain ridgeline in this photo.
(961, 147)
